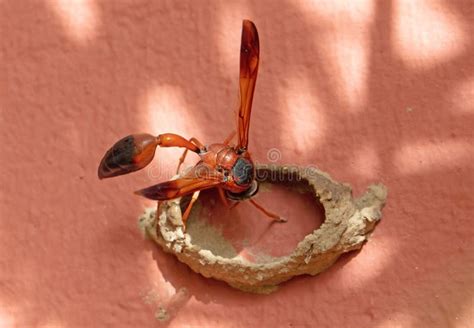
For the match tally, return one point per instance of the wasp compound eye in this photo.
(243, 172)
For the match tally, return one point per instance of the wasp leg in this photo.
(158, 204)
(223, 198)
(183, 157)
(188, 209)
(229, 138)
(277, 218)
(234, 205)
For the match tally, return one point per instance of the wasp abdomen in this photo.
(129, 154)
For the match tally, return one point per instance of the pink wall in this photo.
(366, 90)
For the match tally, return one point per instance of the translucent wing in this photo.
(249, 58)
(199, 177)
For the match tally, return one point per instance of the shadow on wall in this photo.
(349, 88)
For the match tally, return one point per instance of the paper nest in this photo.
(347, 225)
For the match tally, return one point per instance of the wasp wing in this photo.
(249, 59)
(200, 177)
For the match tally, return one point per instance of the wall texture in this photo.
(366, 90)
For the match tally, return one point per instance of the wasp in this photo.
(228, 168)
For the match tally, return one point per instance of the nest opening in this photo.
(245, 232)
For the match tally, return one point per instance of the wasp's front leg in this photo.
(274, 216)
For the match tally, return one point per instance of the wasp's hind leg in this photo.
(183, 157)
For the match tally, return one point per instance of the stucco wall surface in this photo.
(369, 91)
